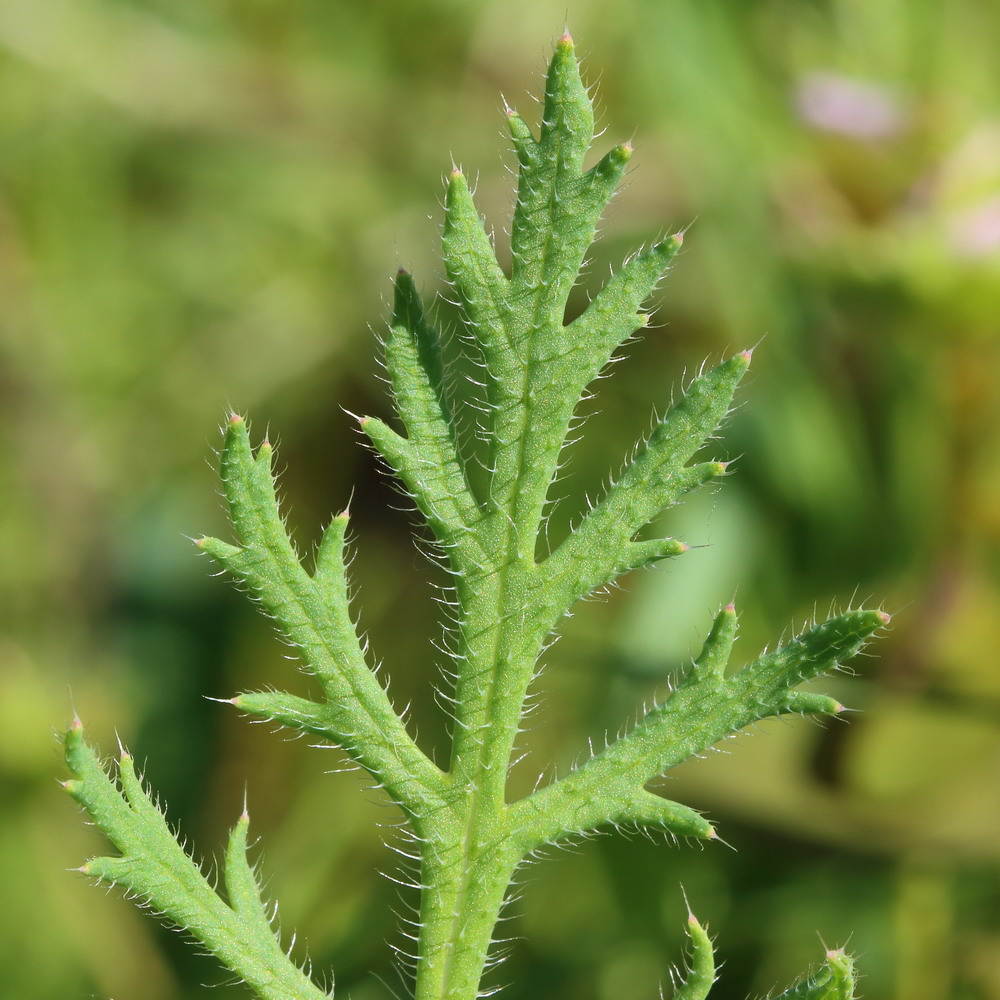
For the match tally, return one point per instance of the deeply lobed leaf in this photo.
(314, 614)
(705, 707)
(154, 868)
(537, 365)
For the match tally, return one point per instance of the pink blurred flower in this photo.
(975, 232)
(850, 107)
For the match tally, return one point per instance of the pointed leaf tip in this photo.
(834, 980)
(701, 965)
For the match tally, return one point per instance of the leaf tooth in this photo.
(119, 871)
(472, 267)
(289, 710)
(701, 964)
(568, 115)
(525, 144)
(604, 176)
(450, 510)
(136, 796)
(237, 459)
(652, 810)
(249, 487)
(329, 569)
(809, 703)
(652, 550)
(410, 326)
(710, 666)
(242, 888)
(228, 556)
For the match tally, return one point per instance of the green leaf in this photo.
(314, 615)
(429, 462)
(600, 547)
(155, 869)
(613, 314)
(704, 707)
(504, 600)
(833, 980)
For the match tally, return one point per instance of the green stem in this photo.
(465, 881)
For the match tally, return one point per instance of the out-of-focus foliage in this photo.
(201, 204)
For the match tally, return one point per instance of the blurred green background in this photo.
(202, 203)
